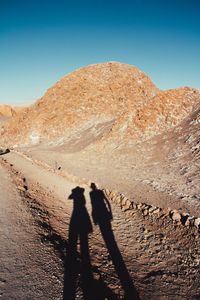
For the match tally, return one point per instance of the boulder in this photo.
(197, 223)
(176, 216)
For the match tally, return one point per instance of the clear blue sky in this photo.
(42, 40)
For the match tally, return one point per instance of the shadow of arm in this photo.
(108, 206)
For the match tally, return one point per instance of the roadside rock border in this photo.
(129, 206)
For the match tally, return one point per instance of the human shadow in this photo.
(102, 215)
(79, 229)
(77, 266)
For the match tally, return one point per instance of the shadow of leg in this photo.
(118, 262)
(102, 291)
(86, 270)
(71, 268)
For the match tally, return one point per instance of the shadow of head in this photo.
(93, 186)
(77, 193)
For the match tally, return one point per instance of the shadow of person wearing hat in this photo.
(79, 229)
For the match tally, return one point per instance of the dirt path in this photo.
(28, 270)
(127, 258)
(135, 177)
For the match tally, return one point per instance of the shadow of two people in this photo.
(79, 229)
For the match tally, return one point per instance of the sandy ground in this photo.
(134, 173)
(131, 257)
(28, 269)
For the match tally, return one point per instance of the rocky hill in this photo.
(7, 111)
(113, 93)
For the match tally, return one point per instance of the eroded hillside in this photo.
(97, 94)
(7, 111)
(109, 122)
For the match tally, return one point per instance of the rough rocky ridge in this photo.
(104, 92)
(7, 111)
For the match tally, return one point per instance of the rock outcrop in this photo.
(102, 93)
(7, 111)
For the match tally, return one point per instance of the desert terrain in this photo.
(106, 124)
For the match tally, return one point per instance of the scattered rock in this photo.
(156, 211)
(123, 201)
(21, 188)
(197, 223)
(176, 216)
(152, 208)
(190, 221)
(184, 218)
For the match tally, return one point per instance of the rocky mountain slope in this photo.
(109, 93)
(7, 111)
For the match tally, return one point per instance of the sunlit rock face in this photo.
(108, 92)
(7, 111)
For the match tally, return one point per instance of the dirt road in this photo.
(121, 257)
(28, 270)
